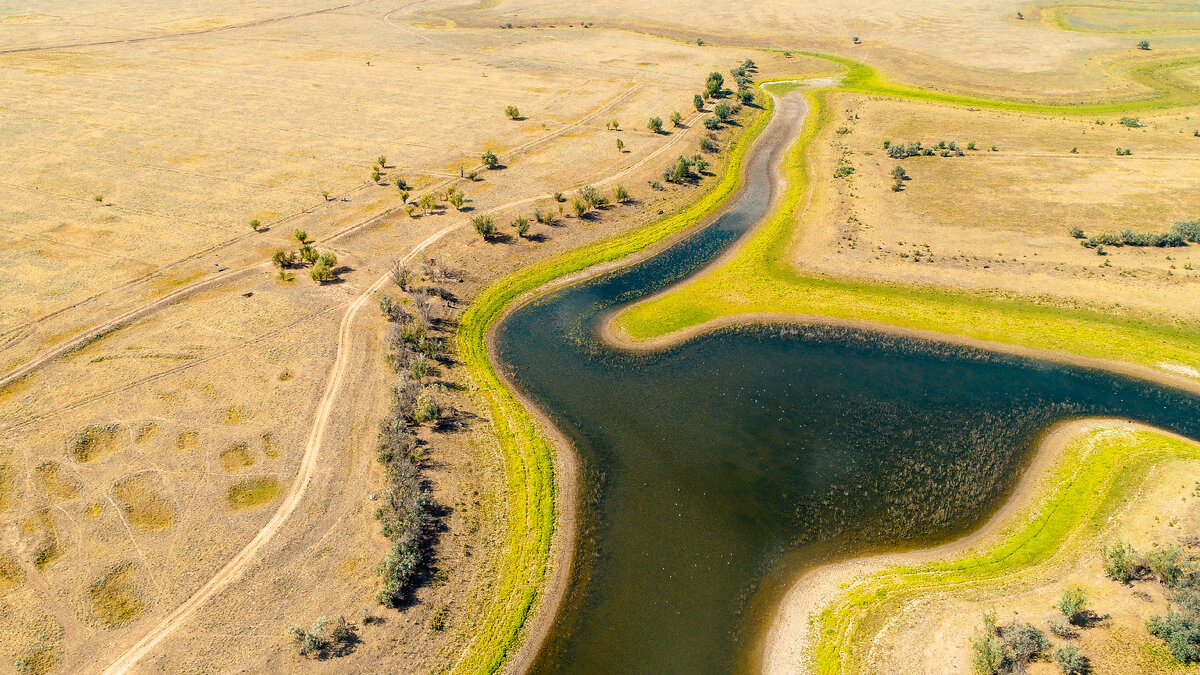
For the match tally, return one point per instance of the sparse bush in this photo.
(1072, 602)
(843, 170)
(489, 159)
(512, 112)
(1070, 661)
(1121, 562)
(522, 225)
(1171, 566)
(1189, 230)
(621, 194)
(437, 620)
(655, 124)
(707, 145)
(311, 642)
(1062, 629)
(418, 367)
(1181, 632)
(484, 226)
(1077, 232)
(987, 652)
(390, 309)
(899, 173)
(543, 217)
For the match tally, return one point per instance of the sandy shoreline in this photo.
(788, 641)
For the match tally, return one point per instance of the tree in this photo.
(522, 225)
(484, 226)
(713, 85)
(712, 123)
(328, 259)
(590, 196)
(1071, 603)
(676, 119)
(698, 102)
(621, 194)
(382, 161)
(723, 112)
(899, 173)
(700, 164)
(746, 97)
(512, 112)
(308, 254)
(427, 202)
(579, 207)
(457, 199)
(404, 196)
(300, 235)
(489, 159)
(678, 171)
(375, 174)
(401, 184)
(614, 125)
(321, 272)
(655, 124)
(620, 145)
(254, 224)
(282, 259)
(1144, 44)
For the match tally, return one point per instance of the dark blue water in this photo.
(706, 464)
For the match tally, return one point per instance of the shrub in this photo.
(1171, 566)
(522, 225)
(1072, 602)
(987, 652)
(484, 226)
(621, 194)
(1144, 44)
(707, 145)
(712, 123)
(543, 217)
(1023, 642)
(1121, 562)
(98, 198)
(255, 224)
(698, 102)
(390, 309)
(679, 171)
(427, 202)
(843, 171)
(327, 259)
(456, 200)
(700, 164)
(1181, 632)
(655, 124)
(401, 184)
(321, 273)
(308, 254)
(311, 642)
(723, 112)
(1070, 661)
(746, 97)
(899, 173)
(300, 235)
(512, 112)
(620, 145)
(676, 119)
(579, 207)
(419, 366)
(282, 259)
(1189, 230)
(1131, 122)
(1061, 629)
(489, 159)
(590, 195)
(1077, 232)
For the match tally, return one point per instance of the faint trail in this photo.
(247, 555)
(169, 36)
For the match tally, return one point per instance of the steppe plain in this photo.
(178, 379)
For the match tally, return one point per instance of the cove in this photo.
(746, 454)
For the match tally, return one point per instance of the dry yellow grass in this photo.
(251, 493)
(142, 500)
(96, 442)
(56, 482)
(236, 458)
(116, 598)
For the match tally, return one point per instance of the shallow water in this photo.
(746, 453)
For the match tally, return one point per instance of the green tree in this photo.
(512, 112)
(328, 259)
(620, 145)
(676, 119)
(375, 175)
(457, 199)
(698, 102)
(427, 202)
(580, 207)
(1144, 44)
(899, 173)
(321, 273)
(382, 162)
(404, 196)
(713, 85)
(489, 159)
(300, 235)
(1070, 661)
(723, 112)
(308, 254)
(255, 224)
(284, 259)
(621, 194)
(655, 124)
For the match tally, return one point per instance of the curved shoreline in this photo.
(788, 645)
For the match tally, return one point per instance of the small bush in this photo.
(1121, 562)
(489, 159)
(1070, 661)
(1181, 632)
(621, 194)
(712, 123)
(1077, 232)
(512, 112)
(484, 226)
(1072, 602)
(655, 124)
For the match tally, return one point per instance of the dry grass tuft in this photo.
(187, 441)
(96, 442)
(234, 415)
(58, 485)
(8, 485)
(268, 446)
(115, 597)
(39, 527)
(236, 458)
(254, 492)
(143, 502)
(146, 433)
(11, 573)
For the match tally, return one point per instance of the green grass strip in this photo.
(1096, 473)
(528, 456)
(758, 279)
